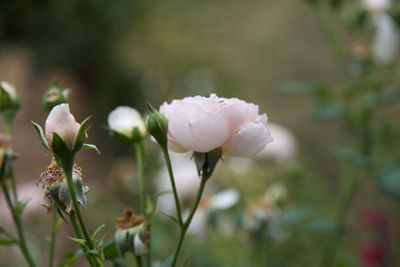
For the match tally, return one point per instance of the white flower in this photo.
(386, 40)
(203, 124)
(376, 5)
(124, 120)
(62, 122)
(284, 147)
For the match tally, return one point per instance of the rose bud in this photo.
(9, 99)
(157, 125)
(131, 234)
(127, 124)
(62, 122)
(54, 96)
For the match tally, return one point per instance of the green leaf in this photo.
(78, 240)
(327, 111)
(96, 232)
(20, 206)
(149, 205)
(93, 252)
(42, 137)
(7, 242)
(173, 218)
(60, 148)
(91, 147)
(387, 176)
(110, 250)
(351, 156)
(81, 136)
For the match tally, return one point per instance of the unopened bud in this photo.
(9, 99)
(157, 125)
(54, 96)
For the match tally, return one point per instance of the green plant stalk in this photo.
(139, 262)
(68, 175)
(8, 121)
(78, 233)
(348, 186)
(185, 226)
(138, 147)
(53, 237)
(172, 180)
(17, 221)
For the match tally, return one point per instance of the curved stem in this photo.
(348, 186)
(14, 212)
(185, 226)
(174, 191)
(18, 224)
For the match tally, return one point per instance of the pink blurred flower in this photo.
(62, 122)
(373, 254)
(205, 123)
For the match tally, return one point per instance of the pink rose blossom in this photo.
(62, 122)
(202, 124)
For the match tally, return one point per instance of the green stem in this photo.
(174, 191)
(68, 169)
(53, 237)
(185, 226)
(138, 147)
(139, 262)
(331, 35)
(7, 234)
(16, 217)
(348, 186)
(78, 233)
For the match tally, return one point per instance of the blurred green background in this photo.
(126, 52)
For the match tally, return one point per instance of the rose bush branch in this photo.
(16, 210)
(9, 105)
(64, 138)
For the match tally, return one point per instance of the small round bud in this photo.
(157, 125)
(9, 99)
(54, 96)
(127, 124)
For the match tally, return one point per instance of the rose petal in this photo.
(248, 141)
(203, 133)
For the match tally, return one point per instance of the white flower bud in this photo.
(127, 122)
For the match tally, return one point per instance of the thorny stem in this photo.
(15, 214)
(78, 233)
(186, 224)
(174, 191)
(68, 168)
(53, 237)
